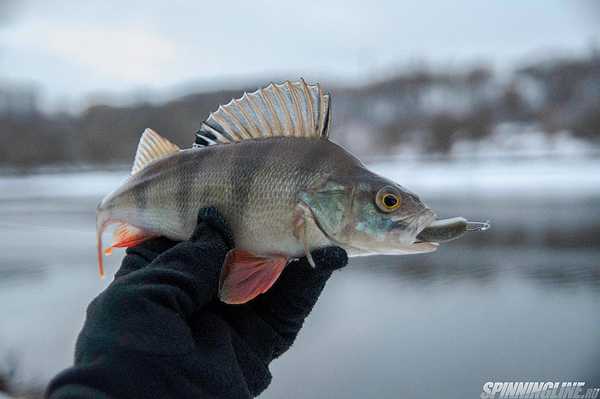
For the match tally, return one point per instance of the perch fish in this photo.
(266, 162)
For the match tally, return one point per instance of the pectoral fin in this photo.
(301, 215)
(246, 275)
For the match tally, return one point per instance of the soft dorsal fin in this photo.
(152, 146)
(293, 109)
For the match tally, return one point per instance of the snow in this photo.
(549, 177)
(72, 184)
(523, 139)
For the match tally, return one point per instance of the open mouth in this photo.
(444, 230)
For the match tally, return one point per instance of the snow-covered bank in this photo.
(561, 177)
(511, 140)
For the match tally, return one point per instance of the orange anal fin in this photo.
(126, 236)
(246, 275)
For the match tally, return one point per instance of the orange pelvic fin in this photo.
(246, 275)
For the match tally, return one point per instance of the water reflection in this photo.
(508, 303)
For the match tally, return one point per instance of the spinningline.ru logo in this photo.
(538, 390)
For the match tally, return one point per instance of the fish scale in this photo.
(255, 192)
(266, 163)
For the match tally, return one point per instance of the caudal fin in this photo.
(101, 222)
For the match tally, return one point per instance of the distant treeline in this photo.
(436, 107)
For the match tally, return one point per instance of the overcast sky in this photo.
(71, 48)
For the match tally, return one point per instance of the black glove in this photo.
(159, 331)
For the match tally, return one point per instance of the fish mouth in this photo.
(423, 220)
(445, 230)
(422, 247)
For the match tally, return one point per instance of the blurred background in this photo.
(489, 110)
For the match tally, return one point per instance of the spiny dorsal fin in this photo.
(293, 109)
(152, 146)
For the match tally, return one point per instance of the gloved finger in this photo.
(133, 311)
(210, 221)
(201, 257)
(292, 297)
(181, 280)
(143, 254)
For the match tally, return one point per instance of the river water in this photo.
(516, 303)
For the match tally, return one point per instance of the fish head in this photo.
(370, 214)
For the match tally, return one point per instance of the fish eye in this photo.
(387, 200)
(390, 200)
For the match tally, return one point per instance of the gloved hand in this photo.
(159, 330)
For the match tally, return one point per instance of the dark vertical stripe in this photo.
(308, 156)
(240, 179)
(186, 170)
(183, 182)
(314, 159)
(249, 160)
(140, 196)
